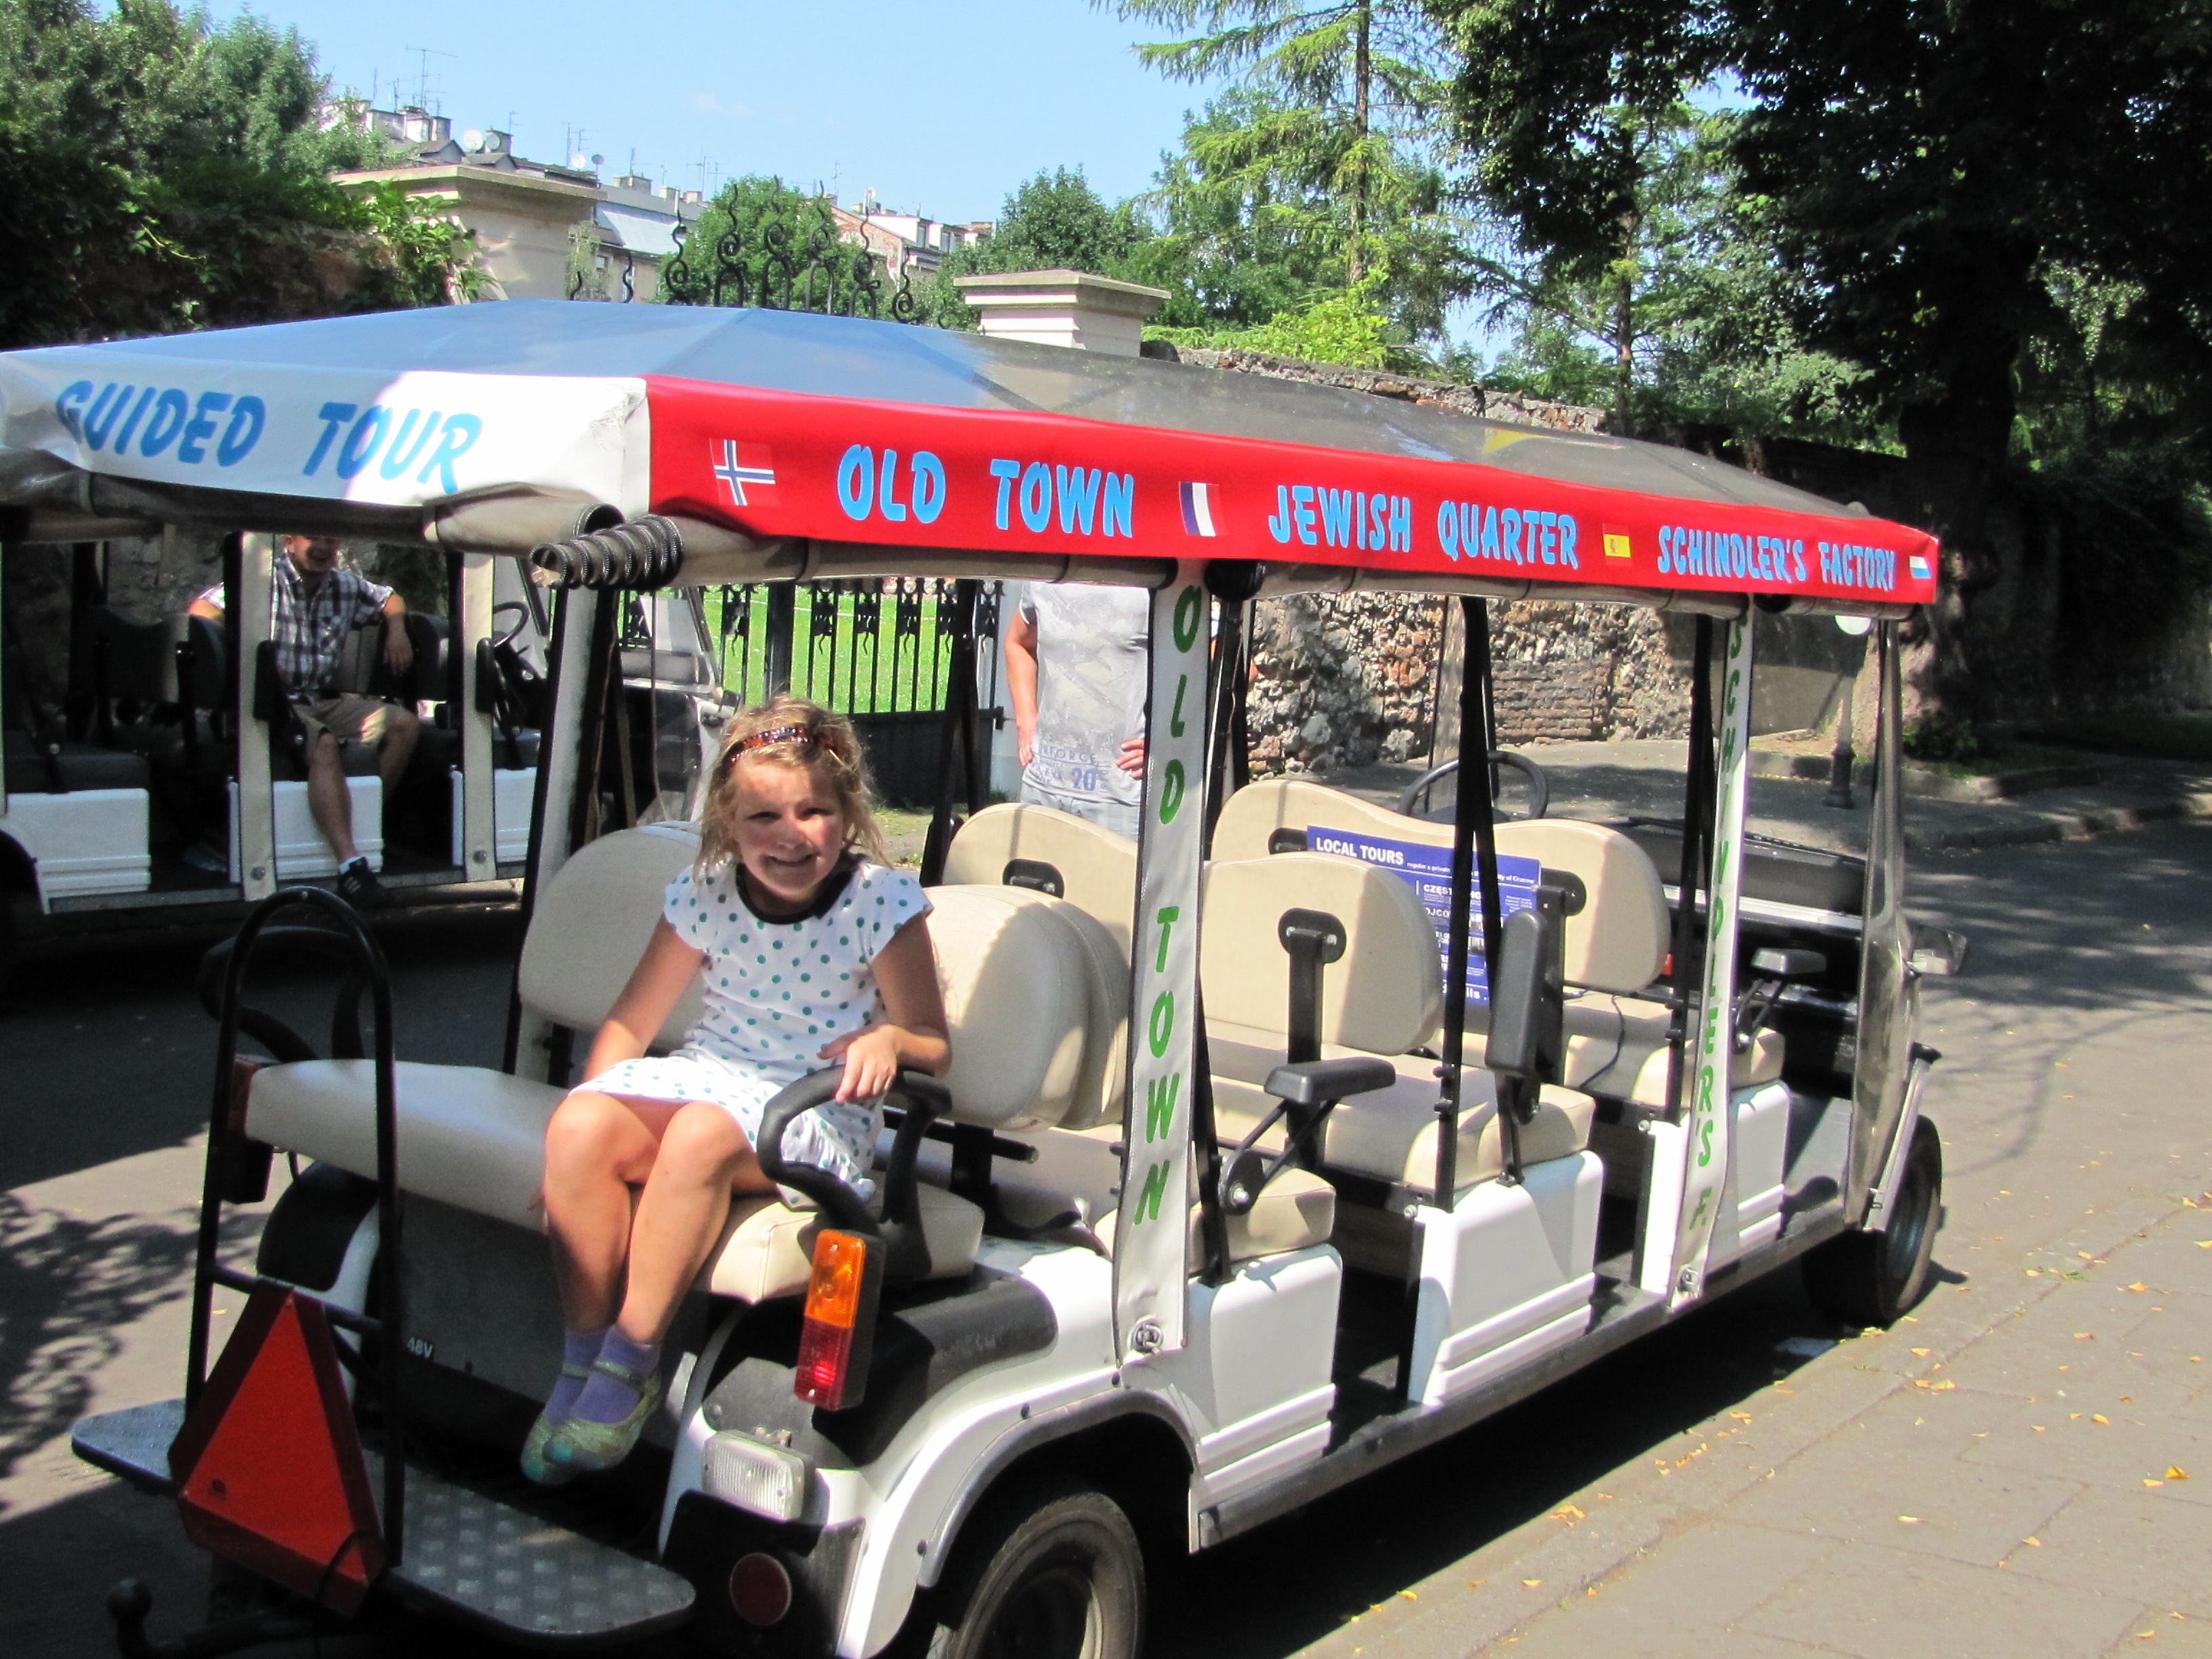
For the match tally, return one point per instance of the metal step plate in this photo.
(486, 1564)
(469, 1558)
(133, 1443)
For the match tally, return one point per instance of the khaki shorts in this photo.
(349, 717)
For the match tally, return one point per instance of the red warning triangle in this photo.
(269, 1467)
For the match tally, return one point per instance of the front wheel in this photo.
(1057, 1575)
(1872, 1279)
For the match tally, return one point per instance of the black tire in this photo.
(1874, 1279)
(1056, 1573)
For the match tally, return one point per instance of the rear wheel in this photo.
(1058, 1574)
(1872, 1278)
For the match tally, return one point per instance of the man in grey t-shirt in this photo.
(1077, 659)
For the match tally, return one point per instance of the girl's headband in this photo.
(768, 738)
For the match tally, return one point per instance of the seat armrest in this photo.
(1314, 1083)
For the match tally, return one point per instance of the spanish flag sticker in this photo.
(1616, 543)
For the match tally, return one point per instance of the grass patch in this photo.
(904, 832)
(2160, 737)
(856, 665)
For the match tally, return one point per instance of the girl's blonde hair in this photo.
(788, 730)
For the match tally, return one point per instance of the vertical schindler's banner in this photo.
(1707, 1120)
(1151, 1238)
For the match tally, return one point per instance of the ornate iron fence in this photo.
(772, 268)
(877, 650)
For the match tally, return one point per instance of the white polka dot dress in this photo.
(776, 991)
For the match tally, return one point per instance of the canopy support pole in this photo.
(1696, 830)
(958, 736)
(1474, 865)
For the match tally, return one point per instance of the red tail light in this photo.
(840, 1321)
(760, 1589)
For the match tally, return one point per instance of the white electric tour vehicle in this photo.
(1275, 1146)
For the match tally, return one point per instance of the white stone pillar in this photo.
(1064, 308)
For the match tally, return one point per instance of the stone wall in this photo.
(1352, 680)
(1573, 672)
(1344, 681)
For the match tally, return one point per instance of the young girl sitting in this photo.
(814, 953)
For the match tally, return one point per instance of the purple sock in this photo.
(578, 1348)
(609, 1400)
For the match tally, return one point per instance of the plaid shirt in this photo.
(310, 628)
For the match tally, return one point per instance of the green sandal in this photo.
(536, 1465)
(580, 1446)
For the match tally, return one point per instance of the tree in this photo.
(1919, 218)
(1351, 79)
(1253, 226)
(1053, 221)
(1692, 316)
(159, 172)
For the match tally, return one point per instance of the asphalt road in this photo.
(1752, 1481)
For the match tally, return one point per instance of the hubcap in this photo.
(1051, 1614)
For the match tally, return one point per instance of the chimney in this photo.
(1064, 308)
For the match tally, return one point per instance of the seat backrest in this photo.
(1097, 868)
(1618, 941)
(1103, 1086)
(1385, 995)
(589, 924)
(1017, 982)
(210, 651)
(128, 659)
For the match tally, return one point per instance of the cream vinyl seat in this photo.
(1384, 997)
(1616, 946)
(1018, 978)
(1077, 1156)
(1097, 868)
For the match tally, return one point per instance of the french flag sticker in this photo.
(1922, 571)
(1198, 510)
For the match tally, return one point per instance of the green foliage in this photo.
(1255, 220)
(1053, 221)
(1312, 173)
(1941, 737)
(1344, 327)
(160, 172)
(1691, 323)
(1350, 84)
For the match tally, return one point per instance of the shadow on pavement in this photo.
(110, 1053)
(1334, 1559)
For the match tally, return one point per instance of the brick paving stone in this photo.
(2144, 1544)
(1879, 1603)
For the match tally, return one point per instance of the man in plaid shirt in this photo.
(316, 604)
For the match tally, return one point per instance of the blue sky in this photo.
(945, 108)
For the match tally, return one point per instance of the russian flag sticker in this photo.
(1198, 510)
(1922, 571)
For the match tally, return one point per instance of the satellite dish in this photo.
(472, 139)
(599, 161)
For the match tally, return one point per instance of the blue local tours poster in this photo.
(1428, 869)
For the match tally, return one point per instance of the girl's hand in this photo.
(872, 1062)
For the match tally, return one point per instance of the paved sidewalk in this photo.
(2021, 1469)
(1643, 777)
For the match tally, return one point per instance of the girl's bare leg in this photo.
(597, 1148)
(703, 1155)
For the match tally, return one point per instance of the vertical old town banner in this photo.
(1152, 1234)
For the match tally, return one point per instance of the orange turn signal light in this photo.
(836, 1334)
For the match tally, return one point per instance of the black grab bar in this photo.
(207, 1273)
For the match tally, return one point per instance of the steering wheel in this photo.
(1540, 787)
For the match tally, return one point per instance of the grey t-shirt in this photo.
(1093, 660)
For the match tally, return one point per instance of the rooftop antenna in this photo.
(423, 94)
